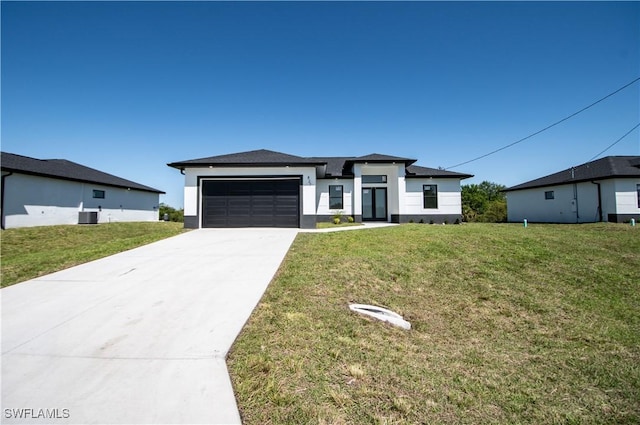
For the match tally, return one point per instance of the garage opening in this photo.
(251, 203)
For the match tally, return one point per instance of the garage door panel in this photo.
(250, 203)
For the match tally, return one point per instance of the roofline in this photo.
(205, 164)
(52, 176)
(460, 176)
(405, 161)
(538, 186)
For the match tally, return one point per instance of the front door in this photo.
(374, 203)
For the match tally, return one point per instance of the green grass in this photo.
(510, 326)
(35, 251)
(331, 225)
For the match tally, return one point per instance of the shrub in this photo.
(351, 219)
(174, 214)
(337, 214)
(336, 220)
(496, 212)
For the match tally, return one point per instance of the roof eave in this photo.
(184, 165)
(592, 179)
(53, 176)
(406, 162)
(436, 176)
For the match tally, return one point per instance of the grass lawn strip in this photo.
(510, 325)
(30, 252)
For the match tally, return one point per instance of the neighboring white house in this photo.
(607, 189)
(271, 189)
(37, 192)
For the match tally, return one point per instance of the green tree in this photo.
(174, 214)
(496, 212)
(484, 202)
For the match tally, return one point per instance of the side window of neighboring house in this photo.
(98, 194)
(638, 189)
(335, 197)
(430, 196)
(549, 194)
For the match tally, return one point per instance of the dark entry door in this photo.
(250, 203)
(374, 203)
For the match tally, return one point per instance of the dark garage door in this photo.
(250, 203)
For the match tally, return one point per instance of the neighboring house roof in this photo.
(255, 158)
(336, 166)
(604, 168)
(66, 170)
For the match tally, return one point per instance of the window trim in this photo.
(433, 197)
(99, 194)
(336, 197)
(549, 195)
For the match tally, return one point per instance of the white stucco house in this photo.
(264, 188)
(45, 192)
(607, 189)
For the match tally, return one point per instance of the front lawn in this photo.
(331, 225)
(532, 325)
(30, 252)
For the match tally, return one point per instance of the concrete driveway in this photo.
(139, 337)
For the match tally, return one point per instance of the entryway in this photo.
(374, 204)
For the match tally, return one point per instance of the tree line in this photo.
(484, 202)
(172, 213)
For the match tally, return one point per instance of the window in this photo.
(638, 189)
(335, 197)
(99, 194)
(374, 179)
(549, 194)
(430, 195)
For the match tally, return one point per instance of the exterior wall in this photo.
(404, 196)
(44, 201)
(571, 204)
(395, 180)
(192, 190)
(624, 198)
(412, 205)
(322, 196)
(405, 199)
(608, 197)
(449, 198)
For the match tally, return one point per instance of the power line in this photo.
(614, 143)
(546, 128)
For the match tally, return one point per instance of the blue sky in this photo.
(127, 87)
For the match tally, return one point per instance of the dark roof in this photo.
(336, 166)
(255, 158)
(376, 157)
(604, 168)
(415, 171)
(66, 170)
